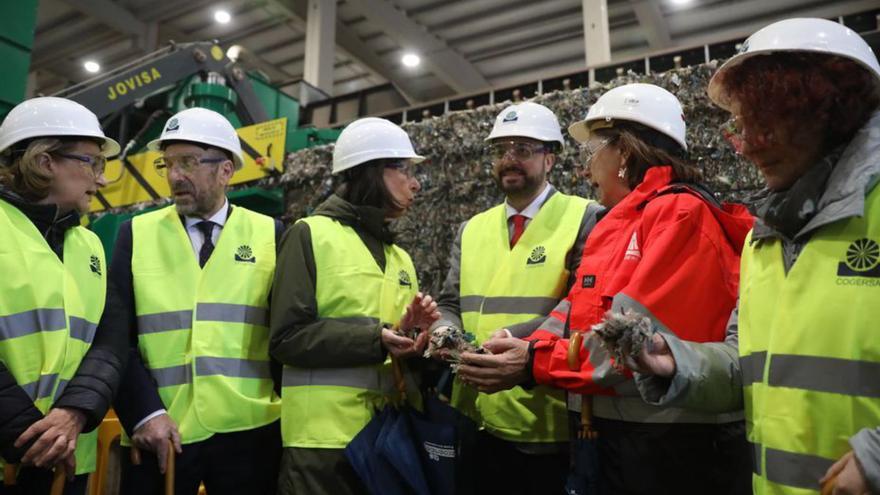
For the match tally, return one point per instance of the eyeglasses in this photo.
(519, 150)
(403, 166)
(733, 134)
(184, 163)
(97, 163)
(589, 149)
(737, 136)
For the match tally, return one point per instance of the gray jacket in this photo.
(708, 376)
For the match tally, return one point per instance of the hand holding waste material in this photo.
(503, 369)
(447, 343)
(625, 335)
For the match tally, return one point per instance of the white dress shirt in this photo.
(195, 235)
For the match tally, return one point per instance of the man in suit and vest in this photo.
(192, 284)
(509, 267)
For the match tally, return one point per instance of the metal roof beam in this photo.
(114, 16)
(446, 63)
(348, 43)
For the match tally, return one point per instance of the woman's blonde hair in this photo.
(20, 170)
(648, 148)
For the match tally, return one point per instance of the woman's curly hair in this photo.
(795, 89)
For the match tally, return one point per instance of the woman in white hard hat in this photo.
(341, 285)
(665, 251)
(804, 96)
(57, 376)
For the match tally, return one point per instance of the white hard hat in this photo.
(529, 120)
(370, 139)
(49, 116)
(646, 104)
(203, 126)
(799, 35)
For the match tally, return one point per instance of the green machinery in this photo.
(17, 21)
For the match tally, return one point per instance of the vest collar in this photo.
(220, 218)
(44, 217)
(367, 218)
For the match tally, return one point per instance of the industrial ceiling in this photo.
(466, 45)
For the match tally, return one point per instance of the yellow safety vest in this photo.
(810, 359)
(204, 332)
(501, 286)
(327, 407)
(49, 311)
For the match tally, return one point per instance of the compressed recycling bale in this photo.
(456, 179)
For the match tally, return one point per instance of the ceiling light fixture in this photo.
(681, 2)
(234, 52)
(92, 66)
(222, 17)
(411, 60)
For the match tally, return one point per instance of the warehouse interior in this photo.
(291, 74)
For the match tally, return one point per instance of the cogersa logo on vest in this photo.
(244, 254)
(403, 278)
(95, 265)
(537, 257)
(860, 264)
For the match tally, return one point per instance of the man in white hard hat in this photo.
(509, 267)
(191, 284)
(803, 354)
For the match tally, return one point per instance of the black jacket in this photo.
(92, 387)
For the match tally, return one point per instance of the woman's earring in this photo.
(621, 173)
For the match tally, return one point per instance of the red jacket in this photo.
(665, 250)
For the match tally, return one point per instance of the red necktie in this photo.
(519, 225)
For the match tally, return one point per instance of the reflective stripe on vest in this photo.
(500, 287)
(508, 305)
(47, 327)
(806, 351)
(327, 407)
(364, 377)
(177, 320)
(33, 321)
(203, 332)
